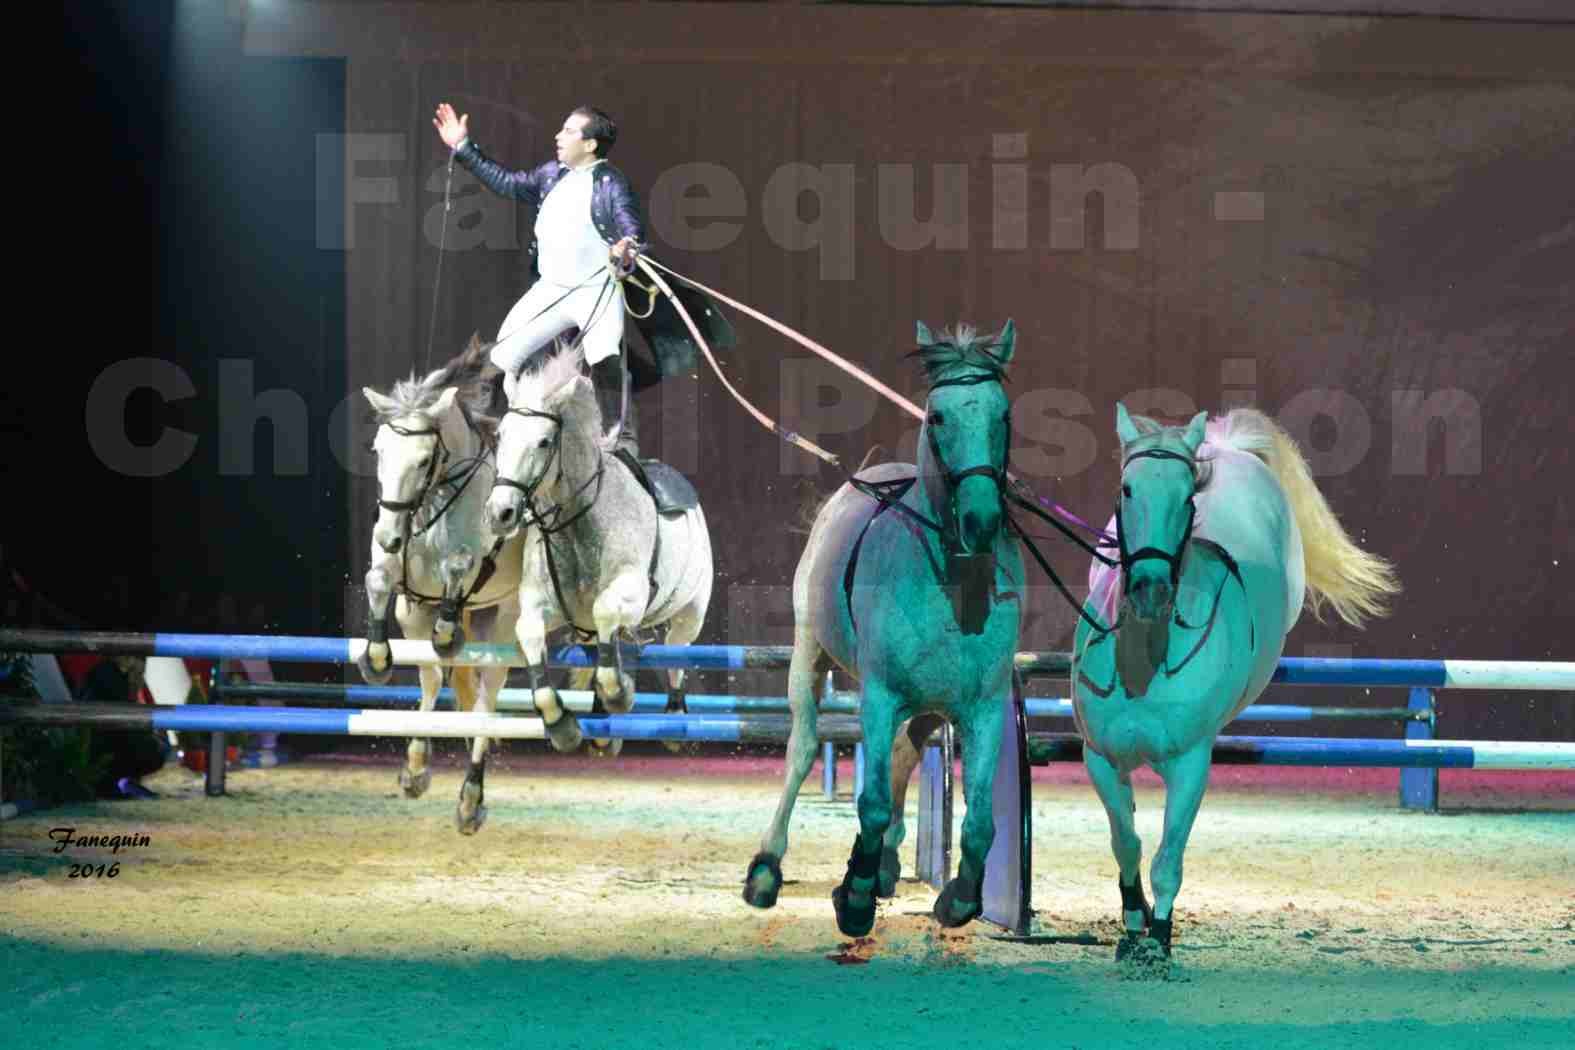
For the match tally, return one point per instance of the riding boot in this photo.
(607, 378)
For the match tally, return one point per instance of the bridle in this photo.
(548, 519)
(1171, 559)
(432, 482)
(890, 493)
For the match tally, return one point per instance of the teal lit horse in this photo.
(910, 583)
(1223, 534)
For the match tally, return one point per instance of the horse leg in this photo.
(854, 899)
(447, 633)
(1186, 777)
(1115, 793)
(620, 605)
(376, 662)
(962, 899)
(806, 681)
(563, 729)
(471, 811)
(905, 755)
(682, 629)
(416, 777)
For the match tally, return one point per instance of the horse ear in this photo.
(922, 335)
(444, 403)
(1006, 342)
(1126, 430)
(1196, 431)
(380, 404)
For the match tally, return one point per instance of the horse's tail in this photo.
(1354, 582)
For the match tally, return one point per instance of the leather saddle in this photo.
(671, 490)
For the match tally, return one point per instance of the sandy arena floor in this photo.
(600, 907)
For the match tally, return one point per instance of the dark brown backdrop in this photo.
(1367, 218)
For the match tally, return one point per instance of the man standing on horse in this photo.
(588, 230)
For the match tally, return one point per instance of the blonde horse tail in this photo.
(1354, 583)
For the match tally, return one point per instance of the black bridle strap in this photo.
(1171, 559)
(1056, 579)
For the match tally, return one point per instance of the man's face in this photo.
(574, 148)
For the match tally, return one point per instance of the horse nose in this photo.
(1151, 597)
(978, 529)
(501, 515)
(391, 544)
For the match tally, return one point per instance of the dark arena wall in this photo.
(1360, 224)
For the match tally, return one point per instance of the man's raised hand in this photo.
(451, 129)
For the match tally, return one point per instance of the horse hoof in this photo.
(959, 903)
(470, 814)
(371, 675)
(853, 920)
(606, 748)
(564, 734)
(763, 880)
(622, 701)
(687, 748)
(1144, 958)
(469, 824)
(890, 872)
(414, 785)
(447, 638)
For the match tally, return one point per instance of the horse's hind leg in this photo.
(962, 899)
(416, 777)
(806, 682)
(1186, 777)
(682, 629)
(1115, 793)
(905, 755)
(854, 899)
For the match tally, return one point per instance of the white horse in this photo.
(599, 554)
(429, 549)
(1223, 534)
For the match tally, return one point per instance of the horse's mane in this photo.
(1354, 583)
(555, 370)
(963, 346)
(562, 366)
(467, 370)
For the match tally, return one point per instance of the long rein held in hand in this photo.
(888, 493)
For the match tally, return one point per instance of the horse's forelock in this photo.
(962, 347)
(540, 384)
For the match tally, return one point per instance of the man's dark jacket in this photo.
(616, 213)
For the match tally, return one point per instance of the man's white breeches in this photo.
(546, 312)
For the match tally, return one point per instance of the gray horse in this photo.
(601, 552)
(429, 550)
(910, 582)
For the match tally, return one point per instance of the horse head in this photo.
(1154, 513)
(963, 443)
(411, 455)
(551, 423)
